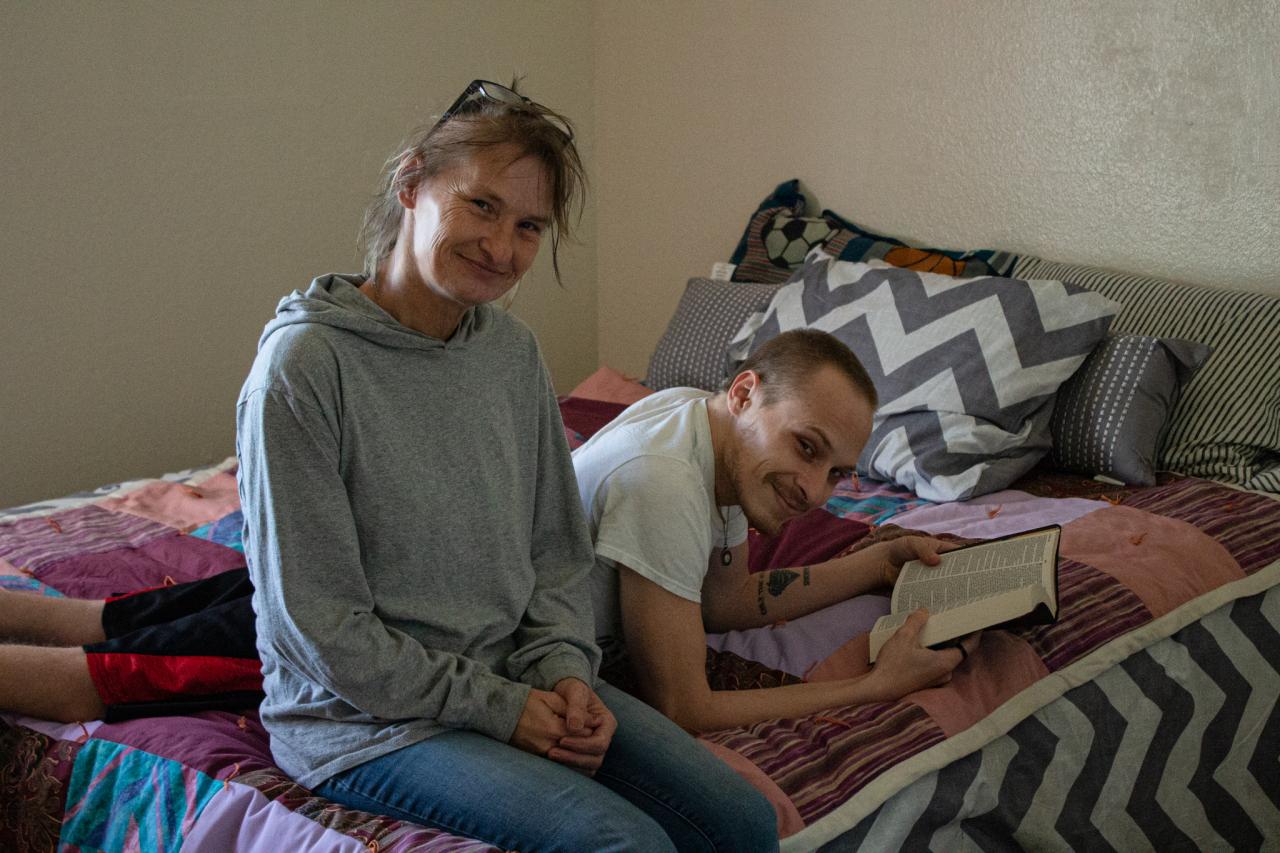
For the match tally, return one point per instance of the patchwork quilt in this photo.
(1162, 588)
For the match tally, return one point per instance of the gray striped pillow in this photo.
(1108, 416)
(1226, 424)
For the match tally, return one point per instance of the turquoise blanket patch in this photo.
(164, 798)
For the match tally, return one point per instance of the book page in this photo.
(974, 587)
(971, 574)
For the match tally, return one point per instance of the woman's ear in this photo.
(408, 177)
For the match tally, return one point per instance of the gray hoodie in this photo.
(412, 527)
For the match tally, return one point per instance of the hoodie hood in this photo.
(335, 300)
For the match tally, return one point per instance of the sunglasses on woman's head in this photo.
(479, 91)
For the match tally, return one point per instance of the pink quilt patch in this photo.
(789, 821)
(1164, 561)
(174, 558)
(180, 505)
(219, 744)
(1002, 666)
(848, 661)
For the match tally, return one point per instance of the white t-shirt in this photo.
(647, 482)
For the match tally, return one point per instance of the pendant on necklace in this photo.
(725, 557)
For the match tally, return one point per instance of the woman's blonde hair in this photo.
(433, 148)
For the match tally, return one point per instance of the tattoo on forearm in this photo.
(806, 575)
(776, 582)
(780, 579)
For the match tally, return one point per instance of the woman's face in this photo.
(474, 229)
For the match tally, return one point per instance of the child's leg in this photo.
(48, 682)
(45, 620)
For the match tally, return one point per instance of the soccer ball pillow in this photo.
(787, 239)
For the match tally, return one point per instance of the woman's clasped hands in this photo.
(569, 725)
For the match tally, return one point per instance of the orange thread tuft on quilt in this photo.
(85, 729)
(992, 513)
(779, 623)
(169, 581)
(242, 724)
(53, 522)
(193, 491)
(834, 721)
(1137, 540)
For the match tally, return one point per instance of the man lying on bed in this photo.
(669, 488)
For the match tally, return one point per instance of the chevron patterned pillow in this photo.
(966, 368)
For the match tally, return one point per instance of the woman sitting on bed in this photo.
(414, 537)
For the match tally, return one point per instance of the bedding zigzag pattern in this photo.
(965, 369)
(1126, 792)
(1007, 342)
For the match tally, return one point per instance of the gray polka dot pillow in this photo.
(691, 353)
(1109, 416)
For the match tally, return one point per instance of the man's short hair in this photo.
(787, 361)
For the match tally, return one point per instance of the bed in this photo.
(1144, 718)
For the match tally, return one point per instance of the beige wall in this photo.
(1143, 136)
(169, 173)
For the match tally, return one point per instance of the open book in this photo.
(976, 587)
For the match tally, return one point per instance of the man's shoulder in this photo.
(666, 423)
(666, 430)
(671, 398)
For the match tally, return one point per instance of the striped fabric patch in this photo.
(1226, 424)
(165, 799)
(1246, 524)
(33, 543)
(819, 762)
(1094, 608)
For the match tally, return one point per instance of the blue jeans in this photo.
(657, 790)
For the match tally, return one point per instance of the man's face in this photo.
(793, 447)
